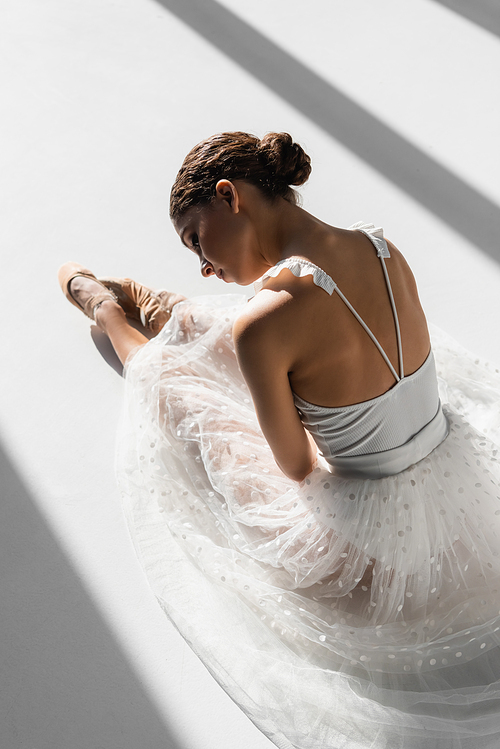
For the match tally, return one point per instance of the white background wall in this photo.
(99, 102)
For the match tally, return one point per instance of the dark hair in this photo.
(272, 164)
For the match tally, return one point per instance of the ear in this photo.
(226, 192)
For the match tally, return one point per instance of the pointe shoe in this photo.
(151, 308)
(68, 272)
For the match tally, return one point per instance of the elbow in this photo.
(301, 475)
(300, 466)
(298, 472)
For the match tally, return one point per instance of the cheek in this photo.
(212, 235)
(222, 244)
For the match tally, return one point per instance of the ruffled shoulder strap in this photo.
(375, 235)
(299, 267)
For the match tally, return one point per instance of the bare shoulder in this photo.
(403, 270)
(396, 252)
(262, 322)
(264, 327)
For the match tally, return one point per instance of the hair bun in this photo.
(272, 164)
(285, 160)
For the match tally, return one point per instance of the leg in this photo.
(109, 317)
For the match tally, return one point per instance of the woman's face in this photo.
(223, 237)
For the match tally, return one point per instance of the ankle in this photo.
(106, 312)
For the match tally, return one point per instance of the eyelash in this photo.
(194, 241)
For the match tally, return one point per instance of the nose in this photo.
(207, 268)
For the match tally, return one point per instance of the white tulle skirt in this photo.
(378, 626)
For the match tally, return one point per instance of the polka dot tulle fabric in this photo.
(337, 612)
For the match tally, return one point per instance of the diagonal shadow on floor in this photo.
(485, 13)
(466, 210)
(65, 681)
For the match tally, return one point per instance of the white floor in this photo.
(397, 104)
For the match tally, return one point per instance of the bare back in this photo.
(332, 360)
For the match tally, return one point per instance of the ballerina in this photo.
(319, 523)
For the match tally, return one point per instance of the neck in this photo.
(286, 230)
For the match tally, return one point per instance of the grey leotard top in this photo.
(384, 435)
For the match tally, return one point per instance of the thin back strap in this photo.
(396, 320)
(365, 326)
(378, 241)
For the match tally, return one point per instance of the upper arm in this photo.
(264, 358)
